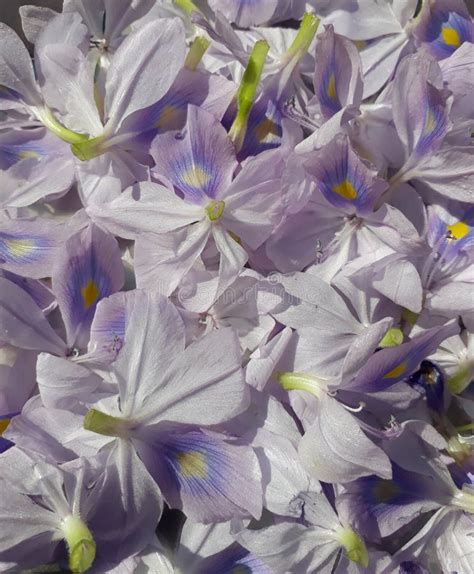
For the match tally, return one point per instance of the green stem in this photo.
(306, 33)
(104, 424)
(302, 382)
(187, 6)
(354, 545)
(247, 91)
(196, 52)
(80, 544)
(392, 338)
(54, 126)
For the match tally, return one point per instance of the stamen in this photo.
(359, 408)
(289, 110)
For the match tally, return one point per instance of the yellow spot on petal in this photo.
(4, 425)
(430, 122)
(192, 464)
(26, 154)
(385, 490)
(458, 230)
(396, 372)
(90, 293)
(331, 88)
(360, 44)
(345, 190)
(265, 128)
(195, 177)
(451, 36)
(170, 117)
(20, 247)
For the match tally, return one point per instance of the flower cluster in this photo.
(237, 287)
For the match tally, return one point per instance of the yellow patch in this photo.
(345, 190)
(195, 177)
(192, 464)
(240, 569)
(27, 154)
(90, 293)
(20, 247)
(430, 122)
(331, 89)
(451, 37)
(385, 490)
(396, 372)
(170, 117)
(4, 425)
(360, 44)
(265, 128)
(458, 230)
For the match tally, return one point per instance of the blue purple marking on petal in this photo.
(435, 123)
(194, 461)
(446, 31)
(87, 285)
(22, 248)
(328, 91)
(233, 560)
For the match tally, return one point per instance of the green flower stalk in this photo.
(54, 126)
(306, 33)
(100, 423)
(197, 50)
(354, 545)
(393, 337)
(247, 91)
(302, 382)
(80, 544)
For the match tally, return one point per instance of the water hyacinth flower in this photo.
(207, 202)
(236, 259)
(339, 220)
(47, 507)
(195, 467)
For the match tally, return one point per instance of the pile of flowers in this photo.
(236, 287)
